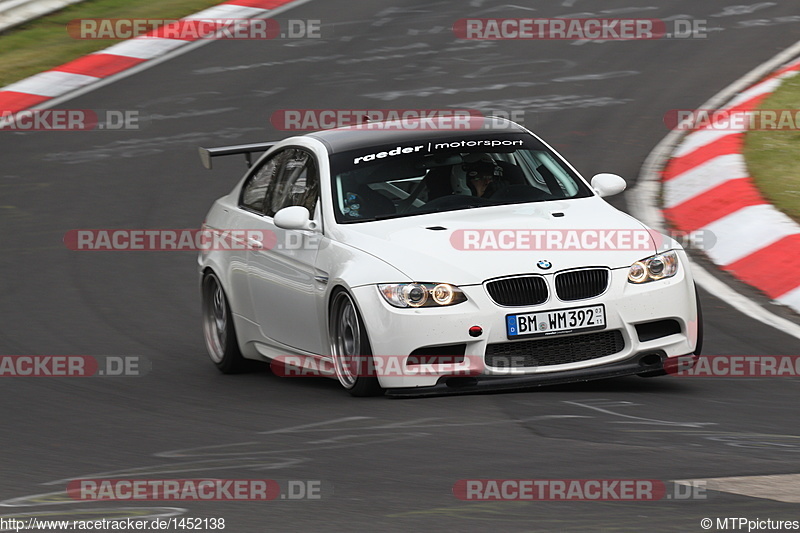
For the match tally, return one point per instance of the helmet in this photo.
(475, 167)
(480, 170)
(474, 164)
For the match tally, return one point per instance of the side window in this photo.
(255, 189)
(297, 183)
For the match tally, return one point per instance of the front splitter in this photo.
(493, 384)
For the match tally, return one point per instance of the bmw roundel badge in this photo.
(544, 264)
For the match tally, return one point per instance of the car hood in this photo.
(468, 246)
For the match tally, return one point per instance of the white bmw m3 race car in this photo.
(418, 261)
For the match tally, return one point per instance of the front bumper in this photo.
(397, 333)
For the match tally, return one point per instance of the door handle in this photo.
(254, 243)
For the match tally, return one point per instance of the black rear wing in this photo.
(207, 154)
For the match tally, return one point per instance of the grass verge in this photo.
(773, 157)
(44, 43)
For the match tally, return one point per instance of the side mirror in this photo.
(294, 217)
(608, 184)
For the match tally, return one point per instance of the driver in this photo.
(482, 176)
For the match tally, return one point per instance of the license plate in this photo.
(544, 323)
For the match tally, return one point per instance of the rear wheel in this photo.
(218, 330)
(352, 355)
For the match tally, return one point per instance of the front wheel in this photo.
(352, 355)
(698, 348)
(218, 329)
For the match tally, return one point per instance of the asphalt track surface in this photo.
(385, 464)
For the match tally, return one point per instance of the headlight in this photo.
(653, 268)
(421, 294)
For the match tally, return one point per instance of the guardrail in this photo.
(16, 12)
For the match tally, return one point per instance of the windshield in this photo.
(411, 178)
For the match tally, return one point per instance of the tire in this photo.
(698, 349)
(350, 349)
(218, 330)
